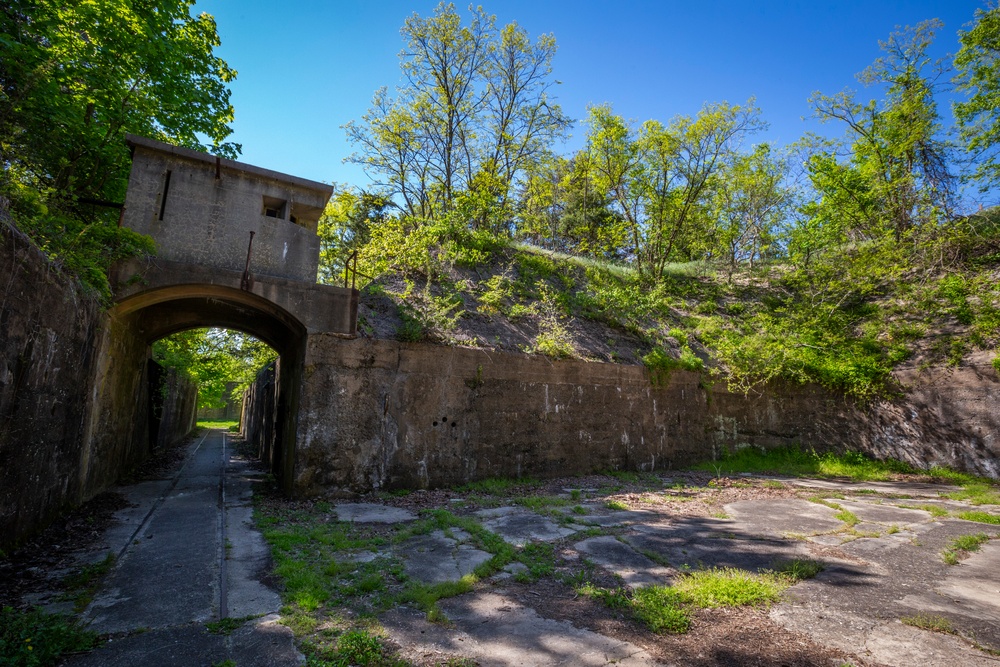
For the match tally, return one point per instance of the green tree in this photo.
(897, 176)
(978, 65)
(74, 78)
(660, 178)
(472, 115)
(750, 205)
(345, 227)
(214, 358)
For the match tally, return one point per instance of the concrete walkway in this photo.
(187, 555)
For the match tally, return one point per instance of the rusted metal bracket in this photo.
(246, 284)
(348, 269)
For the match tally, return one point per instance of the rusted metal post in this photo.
(246, 284)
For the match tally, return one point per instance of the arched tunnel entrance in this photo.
(148, 316)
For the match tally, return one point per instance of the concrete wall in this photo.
(173, 407)
(195, 217)
(382, 414)
(257, 419)
(47, 348)
(74, 399)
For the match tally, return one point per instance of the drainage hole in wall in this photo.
(435, 423)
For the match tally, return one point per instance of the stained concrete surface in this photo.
(871, 579)
(187, 554)
(497, 631)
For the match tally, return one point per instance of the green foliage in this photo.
(980, 517)
(214, 358)
(978, 73)
(76, 77)
(660, 363)
(35, 639)
(471, 115)
(662, 609)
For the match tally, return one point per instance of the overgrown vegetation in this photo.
(962, 546)
(34, 638)
(706, 253)
(667, 609)
(73, 86)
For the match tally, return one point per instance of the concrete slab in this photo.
(634, 569)
(496, 631)
(264, 643)
(884, 513)
(521, 528)
(372, 513)
(912, 489)
(782, 517)
(970, 589)
(696, 542)
(436, 558)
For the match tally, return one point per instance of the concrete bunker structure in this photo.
(236, 248)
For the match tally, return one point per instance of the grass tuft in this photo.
(731, 587)
(29, 638)
(979, 517)
(929, 622)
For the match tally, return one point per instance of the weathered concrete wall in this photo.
(47, 347)
(201, 211)
(74, 399)
(381, 414)
(257, 419)
(173, 407)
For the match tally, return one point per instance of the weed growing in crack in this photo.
(979, 517)
(962, 546)
(929, 622)
(36, 638)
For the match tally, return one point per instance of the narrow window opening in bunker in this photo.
(226, 366)
(163, 197)
(274, 207)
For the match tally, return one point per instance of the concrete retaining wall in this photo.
(62, 356)
(382, 414)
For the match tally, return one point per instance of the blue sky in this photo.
(306, 67)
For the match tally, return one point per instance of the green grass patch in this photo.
(616, 505)
(226, 626)
(667, 609)
(799, 462)
(358, 647)
(499, 486)
(224, 424)
(82, 584)
(798, 569)
(33, 638)
(848, 517)
(979, 517)
(731, 587)
(962, 546)
(662, 609)
(426, 596)
(929, 622)
(540, 559)
(541, 503)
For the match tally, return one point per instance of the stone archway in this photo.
(146, 316)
